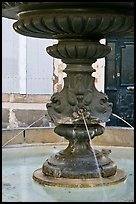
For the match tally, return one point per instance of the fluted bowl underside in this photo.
(68, 24)
(59, 20)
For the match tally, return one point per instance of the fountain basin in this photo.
(27, 152)
(20, 161)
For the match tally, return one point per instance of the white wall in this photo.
(10, 55)
(26, 67)
(39, 67)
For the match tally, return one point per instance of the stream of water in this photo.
(122, 120)
(22, 131)
(96, 161)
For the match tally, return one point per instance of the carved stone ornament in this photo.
(78, 27)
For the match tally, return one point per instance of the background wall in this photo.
(26, 67)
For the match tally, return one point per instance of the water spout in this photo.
(123, 120)
(96, 161)
(22, 131)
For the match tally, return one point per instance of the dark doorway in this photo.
(119, 80)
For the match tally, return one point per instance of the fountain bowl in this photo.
(25, 155)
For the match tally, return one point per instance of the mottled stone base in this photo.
(39, 177)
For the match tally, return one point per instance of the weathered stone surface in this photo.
(25, 98)
(16, 118)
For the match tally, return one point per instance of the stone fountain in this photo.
(78, 27)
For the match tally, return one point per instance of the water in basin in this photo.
(19, 163)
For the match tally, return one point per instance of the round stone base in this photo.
(39, 177)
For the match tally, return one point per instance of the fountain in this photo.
(79, 109)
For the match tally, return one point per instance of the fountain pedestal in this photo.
(78, 28)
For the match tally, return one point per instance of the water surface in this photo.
(19, 163)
